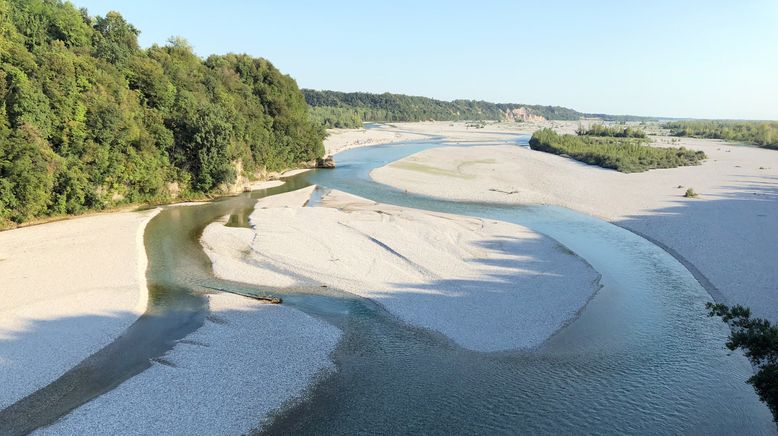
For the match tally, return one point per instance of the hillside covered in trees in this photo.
(89, 120)
(349, 109)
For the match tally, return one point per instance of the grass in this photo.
(419, 167)
(627, 155)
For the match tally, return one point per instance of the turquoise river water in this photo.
(642, 358)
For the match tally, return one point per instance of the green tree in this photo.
(89, 120)
(26, 168)
(761, 133)
(115, 40)
(25, 103)
(202, 145)
(758, 339)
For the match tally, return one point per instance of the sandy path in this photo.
(245, 362)
(68, 289)
(487, 285)
(729, 233)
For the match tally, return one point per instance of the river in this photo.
(642, 357)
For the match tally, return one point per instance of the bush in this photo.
(761, 133)
(690, 193)
(628, 155)
(613, 132)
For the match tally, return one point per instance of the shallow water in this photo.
(641, 358)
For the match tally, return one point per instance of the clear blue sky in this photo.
(705, 59)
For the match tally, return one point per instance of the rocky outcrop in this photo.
(240, 184)
(325, 162)
(522, 114)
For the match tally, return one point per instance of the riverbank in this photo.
(729, 233)
(486, 285)
(247, 361)
(338, 140)
(452, 131)
(461, 131)
(69, 288)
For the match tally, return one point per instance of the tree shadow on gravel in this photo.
(728, 241)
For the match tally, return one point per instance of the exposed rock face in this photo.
(325, 162)
(242, 182)
(522, 114)
(173, 189)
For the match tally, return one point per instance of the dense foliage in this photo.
(88, 120)
(613, 132)
(397, 107)
(628, 155)
(336, 117)
(340, 107)
(759, 341)
(761, 133)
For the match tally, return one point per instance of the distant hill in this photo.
(349, 109)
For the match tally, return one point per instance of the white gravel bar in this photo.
(248, 360)
(728, 236)
(68, 289)
(487, 285)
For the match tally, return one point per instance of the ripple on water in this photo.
(643, 357)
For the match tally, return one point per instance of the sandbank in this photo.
(248, 360)
(487, 285)
(338, 140)
(69, 288)
(727, 236)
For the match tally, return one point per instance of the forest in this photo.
(761, 133)
(624, 154)
(389, 107)
(346, 108)
(89, 120)
(336, 117)
(396, 107)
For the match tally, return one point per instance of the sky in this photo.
(678, 58)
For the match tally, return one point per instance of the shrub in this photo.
(761, 133)
(628, 155)
(613, 132)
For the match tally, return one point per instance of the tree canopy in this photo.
(758, 339)
(90, 120)
(334, 107)
(389, 107)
